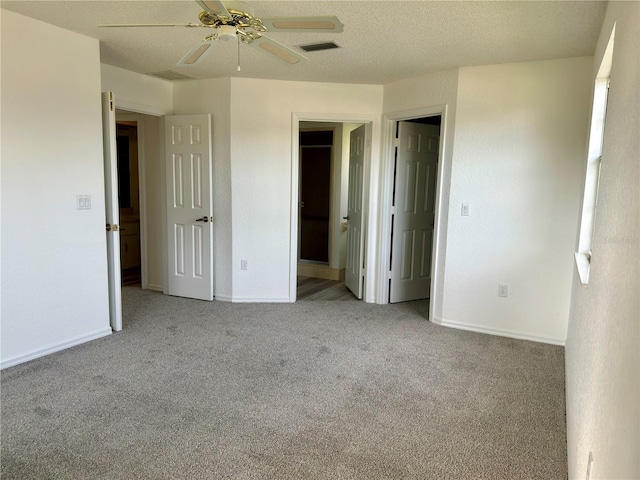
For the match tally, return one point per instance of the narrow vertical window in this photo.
(595, 160)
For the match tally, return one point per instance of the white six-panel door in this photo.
(353, 277)
(189, 206)
(414, 207)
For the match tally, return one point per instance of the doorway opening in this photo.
(316, 158)
(133, 171)
(329, 234)
(129, 202)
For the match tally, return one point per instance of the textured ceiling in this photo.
(382, 41)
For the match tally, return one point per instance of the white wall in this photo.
(135, 92)
(54, 266)
(603, 342)
(518, 158)
(214, 97)
(261, 152)
(410, 98)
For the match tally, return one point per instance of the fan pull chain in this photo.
(238, 52)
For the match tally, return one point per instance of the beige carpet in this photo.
(312, 390)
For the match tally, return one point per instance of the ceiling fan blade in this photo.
(196, 53)
(151, 25)
(281, 51)
(304, 24)
(214, 6)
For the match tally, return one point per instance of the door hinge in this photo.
(112, 228)
(396, 142)
(111, 101)
(393, 209)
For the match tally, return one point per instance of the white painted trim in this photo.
(386, 192)
(140, 108)
(154, 288)
(260, 300)
(583, 265)
(41, 352)
(371, 168)
(371, 193)
(142, 205)
(500, 332)
(163, 208)
(295, 195)
(223, 298)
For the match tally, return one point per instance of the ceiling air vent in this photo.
(170, 75)
(316, 47)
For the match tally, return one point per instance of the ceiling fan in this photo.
(235, 21)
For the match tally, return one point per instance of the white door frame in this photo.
(371, 175)
(386, 195)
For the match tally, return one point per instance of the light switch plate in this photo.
(83, 202)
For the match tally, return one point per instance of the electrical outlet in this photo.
(465, 210)
(589, 465)
(503, 290)
(243, 264)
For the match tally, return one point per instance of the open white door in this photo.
(112, 209)
(189, 206)
(414, 206)
(353, 277)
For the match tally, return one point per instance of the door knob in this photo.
(204, 219)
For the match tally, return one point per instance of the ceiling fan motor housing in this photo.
(227, 33)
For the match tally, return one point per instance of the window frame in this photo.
(584, 254)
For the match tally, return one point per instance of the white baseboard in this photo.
(223, 298)
(155, 288)
(41, 352)
(499, 331)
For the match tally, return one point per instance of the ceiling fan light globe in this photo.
(227, 33)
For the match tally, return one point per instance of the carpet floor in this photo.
(311, 390)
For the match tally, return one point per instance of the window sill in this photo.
(583, 264)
